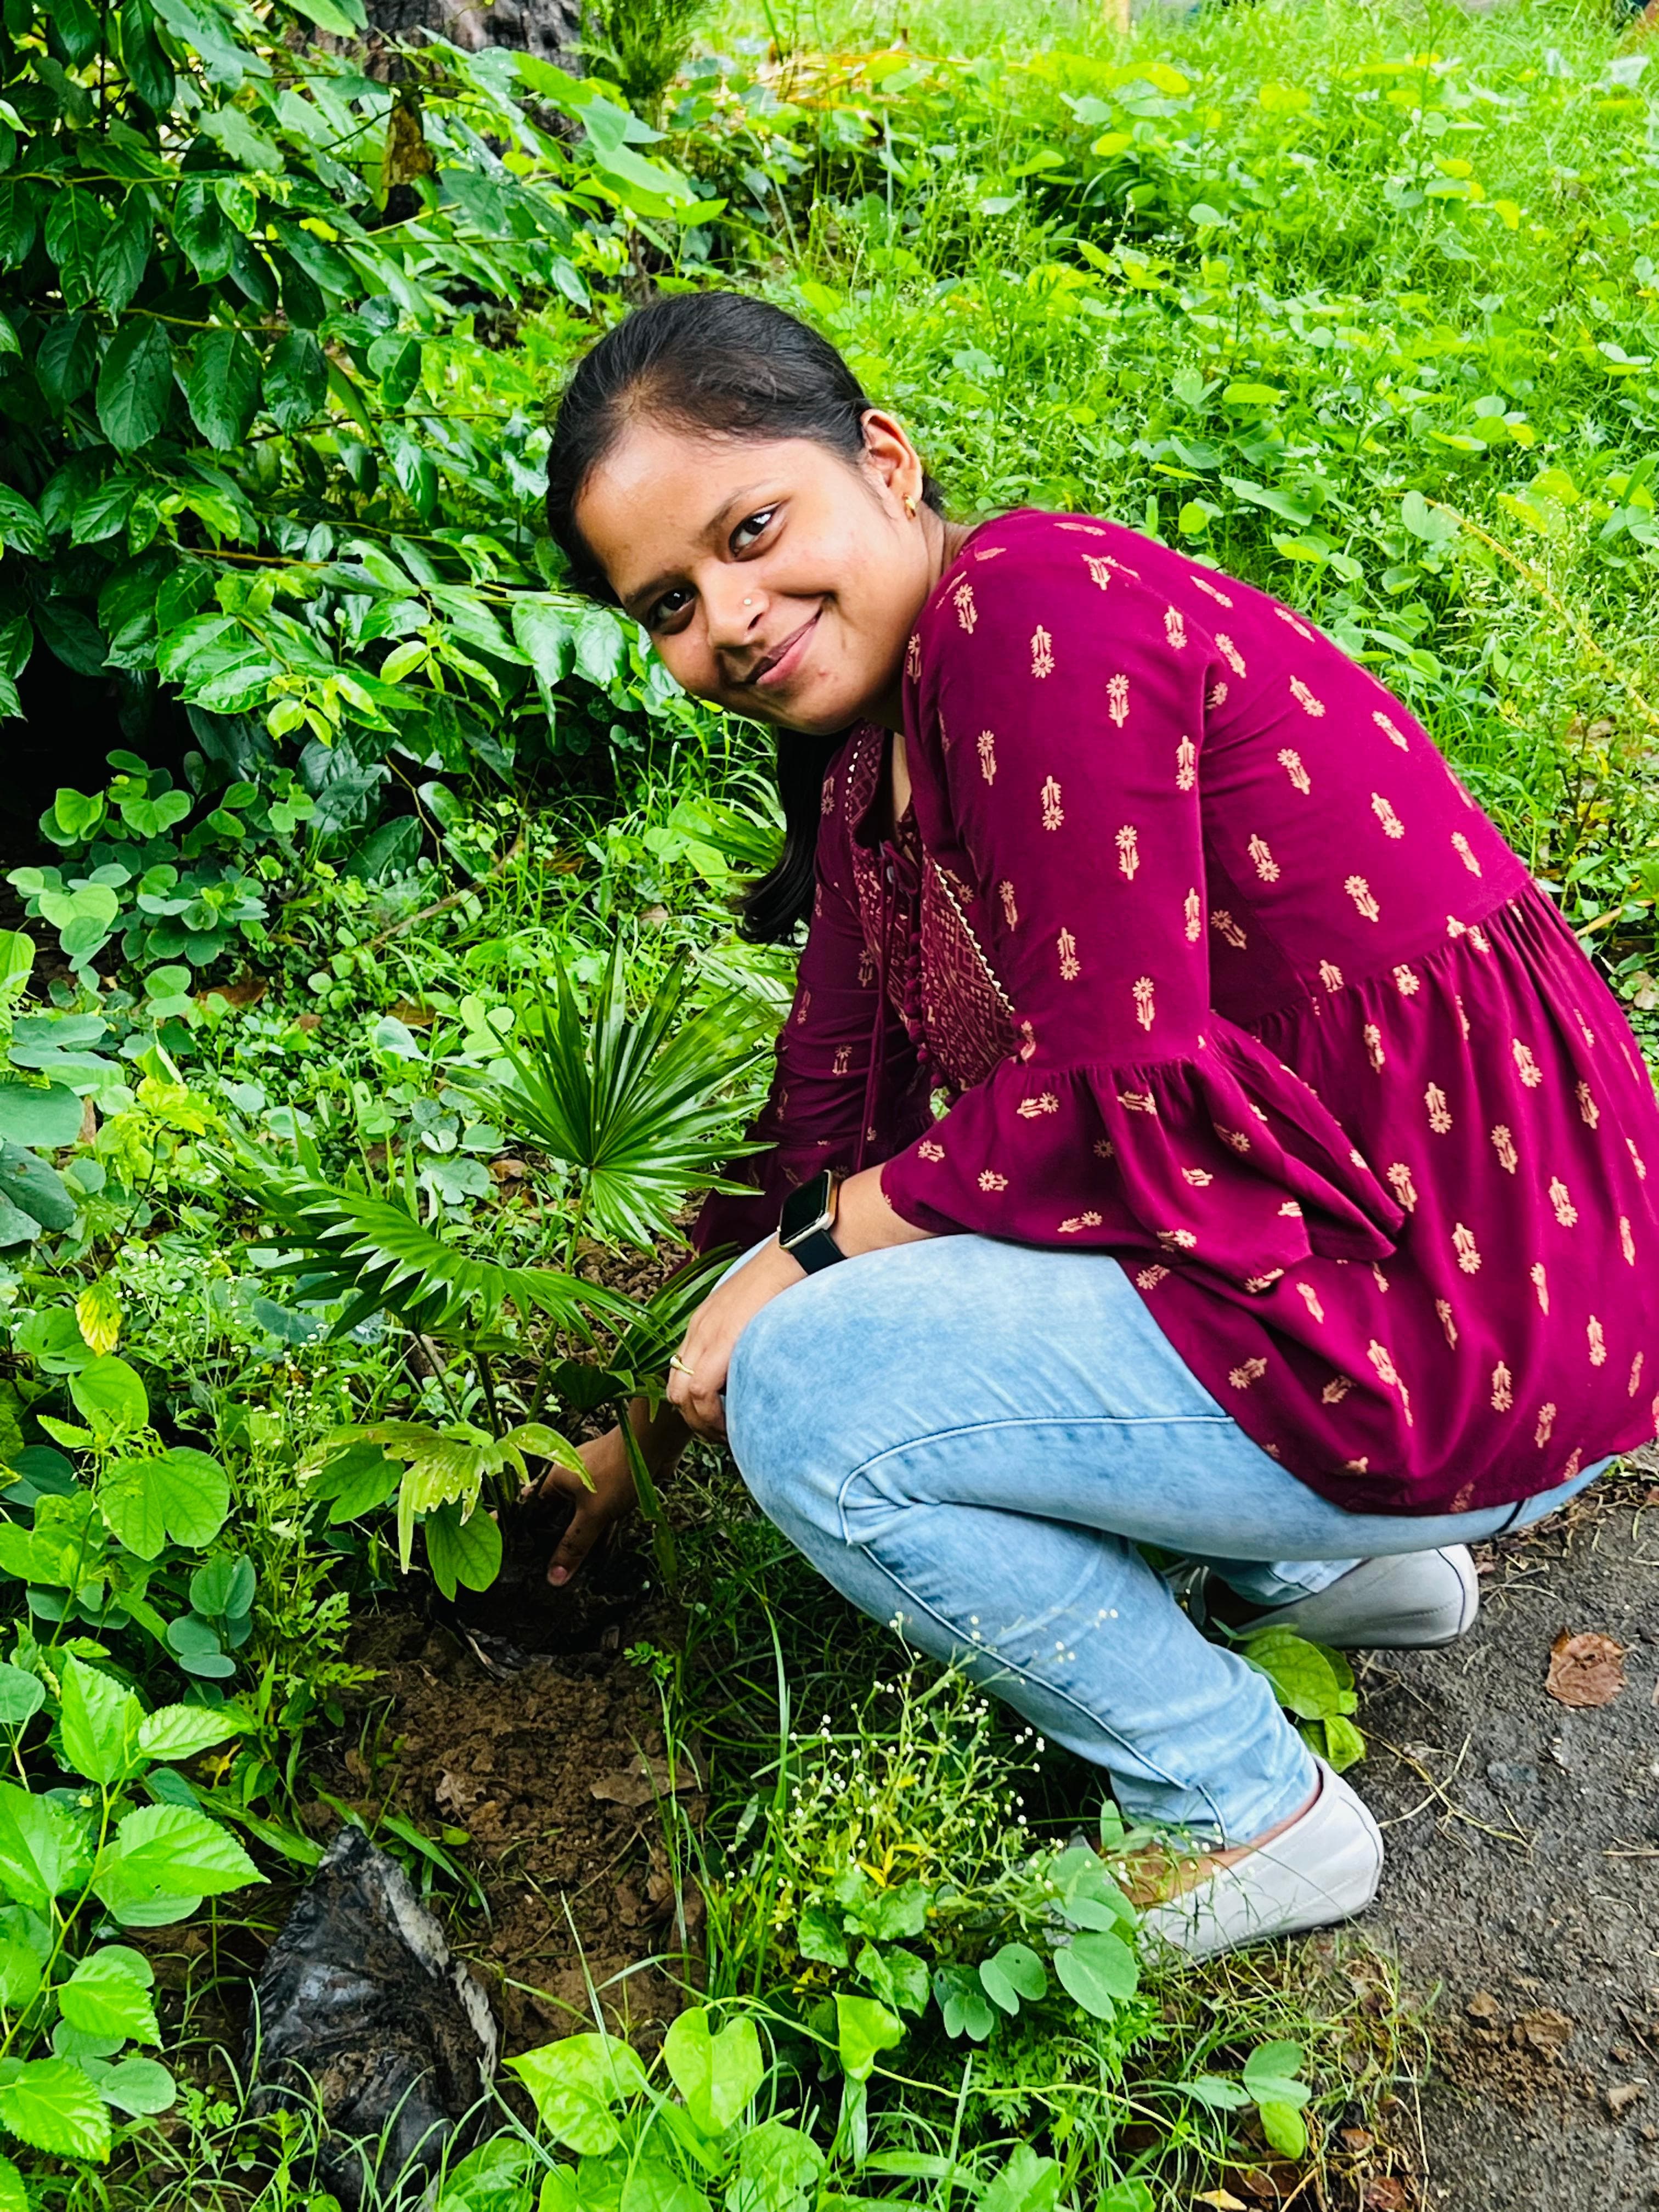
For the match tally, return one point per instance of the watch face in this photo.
(806, 1210)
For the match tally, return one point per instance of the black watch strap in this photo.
(808, 1217)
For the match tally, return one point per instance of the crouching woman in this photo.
(1290, 1209)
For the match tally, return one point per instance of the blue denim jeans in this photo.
(971, 1439)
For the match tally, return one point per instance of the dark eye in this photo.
(668, 606)
(752, 527)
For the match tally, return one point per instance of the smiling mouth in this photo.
(780, 665)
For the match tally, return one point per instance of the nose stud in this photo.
(749, 602)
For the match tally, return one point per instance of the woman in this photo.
(1290, 1210)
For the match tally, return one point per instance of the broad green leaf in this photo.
(21, 1694)
(296, 380)
(222, 389)
(718, 2074)
(467, 1552)
(135, 385)
(898, 1977)
(1270, 2072)
(961, 1999)
(1283, 2127)
(575, 2083)
(165, 1858)
(181, 1731)
(14, 2197)
(25, 1946)
(1013, 1972)
(182, 1493)
(141, 2087)
(146, 65)
(108, 1994)
(45, 1114)
(818, 1935)
(863, 2029)
(110, 1397)
(1344, 1744)
(1099, 1971)
(1132, 2196)
(1028, 2182)
(649, 2186)
(224, 1586)
(28, 1183)
(777, 2166)
(1302, 1674)
(50, 2105)
(99, 1726)
(43, 1850)
(125, 254)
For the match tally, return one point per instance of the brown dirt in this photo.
(512, 1728)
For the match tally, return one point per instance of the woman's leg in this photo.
(945, 1438)
(969, 1438)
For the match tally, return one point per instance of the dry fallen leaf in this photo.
(1356, 2140)
(1223, 2201)
(1623, 2096)
(1585, 1670)
(1483, 2007)
(644, 1780)
(1385, 2193)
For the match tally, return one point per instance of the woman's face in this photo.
(775, 579)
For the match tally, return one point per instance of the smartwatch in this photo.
(809, 1215)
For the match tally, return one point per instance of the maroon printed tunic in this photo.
(1225, 974)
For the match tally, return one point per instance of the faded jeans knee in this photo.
(779, 1417)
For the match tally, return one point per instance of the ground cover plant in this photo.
(373, 1006)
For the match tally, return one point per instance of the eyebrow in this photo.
(645, 595)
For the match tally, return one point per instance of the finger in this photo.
(577, 1540)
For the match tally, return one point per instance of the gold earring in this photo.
(909, 507)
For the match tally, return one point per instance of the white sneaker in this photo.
(1409, 1601)
(1325, 1866)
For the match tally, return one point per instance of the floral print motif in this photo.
(1212, 591)
(1305, 699)
(1247, 1372)
(1392, 825)
(1465, 852)
(1330, 975)
(1261, 855)
(1400, 1181)
(990, 1180)
(1174, 628)
(1231, 653)
(1502, 1392)
(1099, 568)
(1561, 1199)
(1010, 911)
(1290, 761)
(1448, 1320)
(1227, 929)
(1503, 1146)
(1117, 699)
(1596, 1337)
(1538, 1275)
(1145, 1010)
(1525, 1066)
(1627, 1240)
(1070, 966)
(1043, 655)
(986, 744)
(962, 599)
(1391, 730)
(1440, 1120)
(1054, 814)
(1128, 851)
(1589, 1112)
(1192, 914)
(1467, 1251)
(1360, 892)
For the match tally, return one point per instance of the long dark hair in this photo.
(730, 367)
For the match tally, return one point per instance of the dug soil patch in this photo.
(545, 1774)
(1522, 1835)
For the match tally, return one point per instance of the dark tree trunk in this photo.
(549, 28)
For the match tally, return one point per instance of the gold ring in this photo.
(676, 1361)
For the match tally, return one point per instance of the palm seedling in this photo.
(635, 1110)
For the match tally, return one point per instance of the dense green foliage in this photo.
(355, 1041)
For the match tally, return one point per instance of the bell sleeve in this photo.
(1058, 708)
(814, 1113)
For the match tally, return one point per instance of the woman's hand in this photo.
(698, 1374)
(595, 1512)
